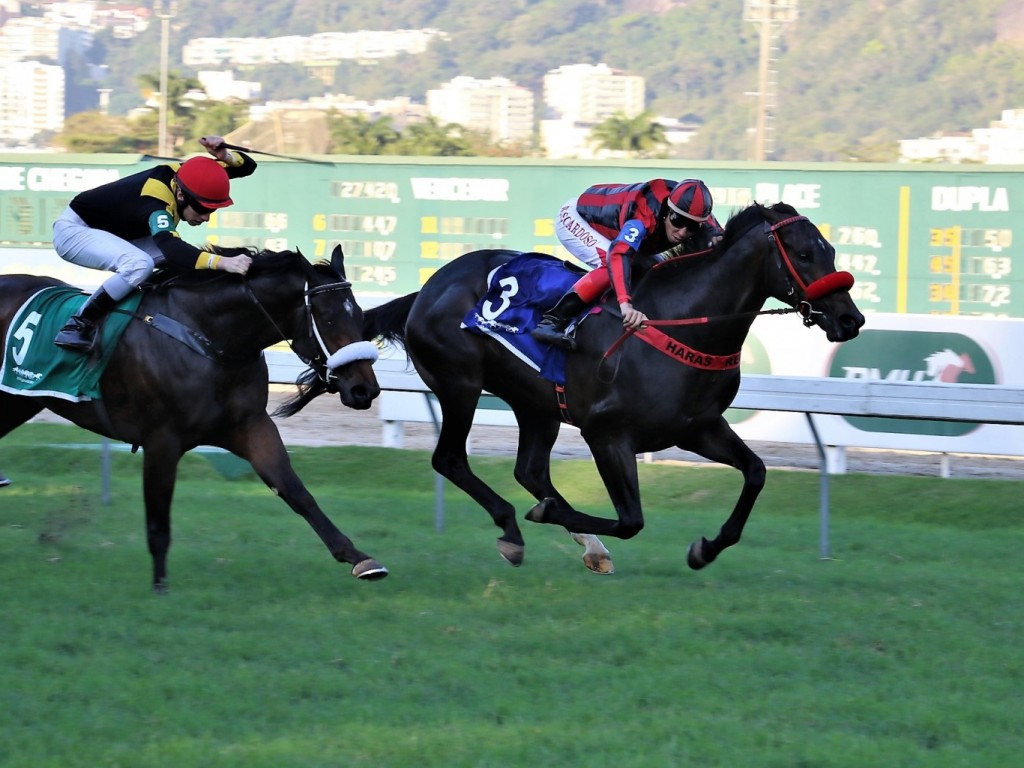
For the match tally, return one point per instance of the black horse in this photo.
(203, 379)
(626, 396)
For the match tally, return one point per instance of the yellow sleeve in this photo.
(207, 260)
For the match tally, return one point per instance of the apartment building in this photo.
(31, 101)
(579, 96)
(496, 106)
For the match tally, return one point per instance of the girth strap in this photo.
(563, 403)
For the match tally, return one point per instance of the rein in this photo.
(664, 343)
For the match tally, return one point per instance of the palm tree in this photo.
(639, 135)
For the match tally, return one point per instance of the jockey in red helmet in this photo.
(611, 224)
(129, 226)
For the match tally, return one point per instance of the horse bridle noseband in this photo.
(324, 363)
(804, 307)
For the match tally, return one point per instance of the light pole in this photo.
(165, 15)
(770, 14)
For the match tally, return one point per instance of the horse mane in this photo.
(262, 262)
(745, 218)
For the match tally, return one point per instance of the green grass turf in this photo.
(903, 650)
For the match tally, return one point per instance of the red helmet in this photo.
(692, 199)
(205, 181)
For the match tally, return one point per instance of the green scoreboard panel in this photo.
(918, 239)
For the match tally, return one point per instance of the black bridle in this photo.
(321, 361)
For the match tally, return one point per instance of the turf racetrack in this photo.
(904, 650)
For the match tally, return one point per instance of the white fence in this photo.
(405, 398)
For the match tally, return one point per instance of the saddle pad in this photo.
(518, 293)
(33, 365)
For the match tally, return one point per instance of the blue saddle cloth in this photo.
(518, 294)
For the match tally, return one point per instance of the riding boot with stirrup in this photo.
(552, 325)
(79, 332)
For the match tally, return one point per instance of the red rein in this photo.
(823, 286)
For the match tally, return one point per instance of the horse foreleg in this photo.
(260, 444)
(450, 460)
(721, 444)
(533, 472)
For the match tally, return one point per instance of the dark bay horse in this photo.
(626, 396)
(203, 380)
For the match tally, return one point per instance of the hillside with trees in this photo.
(853, 78)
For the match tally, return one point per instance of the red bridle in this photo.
(824, 286)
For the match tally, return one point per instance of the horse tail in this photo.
(310, 386)
(387, 322)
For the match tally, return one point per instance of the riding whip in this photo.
(225, 145)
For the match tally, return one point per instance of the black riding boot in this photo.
(79, 332)
(551, 328)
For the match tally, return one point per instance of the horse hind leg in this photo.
(533, 472)
(15, 410)
(724, 446)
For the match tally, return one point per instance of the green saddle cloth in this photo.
(33, 365)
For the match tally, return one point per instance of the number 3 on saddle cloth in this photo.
(518, 294)
(33, 365)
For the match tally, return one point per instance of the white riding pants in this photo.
(131, 262)
(579, 238)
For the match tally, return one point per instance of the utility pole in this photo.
(165, 14)
(770, 15)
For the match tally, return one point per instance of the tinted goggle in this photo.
(679, 221)
(198, 207)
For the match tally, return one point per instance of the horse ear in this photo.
(338, 261)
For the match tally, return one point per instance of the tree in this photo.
(357, 135)
(218, 118)
(95, 132)
(639, 135)
(180, 109)
(433, 139)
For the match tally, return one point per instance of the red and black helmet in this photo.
(691, 199)
(205, 181)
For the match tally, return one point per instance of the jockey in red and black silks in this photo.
(609, 225)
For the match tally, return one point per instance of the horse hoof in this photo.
(597, 558)
(695, 557)
(369, 570)
(536, 513)
(512, 553)
(599, 563)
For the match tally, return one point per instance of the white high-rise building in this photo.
(31, 100)
(579, 96)
(1002, 143)
(586, 93)
(497, 107)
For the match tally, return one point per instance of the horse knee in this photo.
(629, 530)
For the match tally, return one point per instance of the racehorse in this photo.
(203, 380)
(626, 396)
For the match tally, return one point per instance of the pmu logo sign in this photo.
(913, 356)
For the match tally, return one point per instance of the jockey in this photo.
(611, 224)
(128, 227)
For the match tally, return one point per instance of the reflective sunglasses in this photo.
(680, 222)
